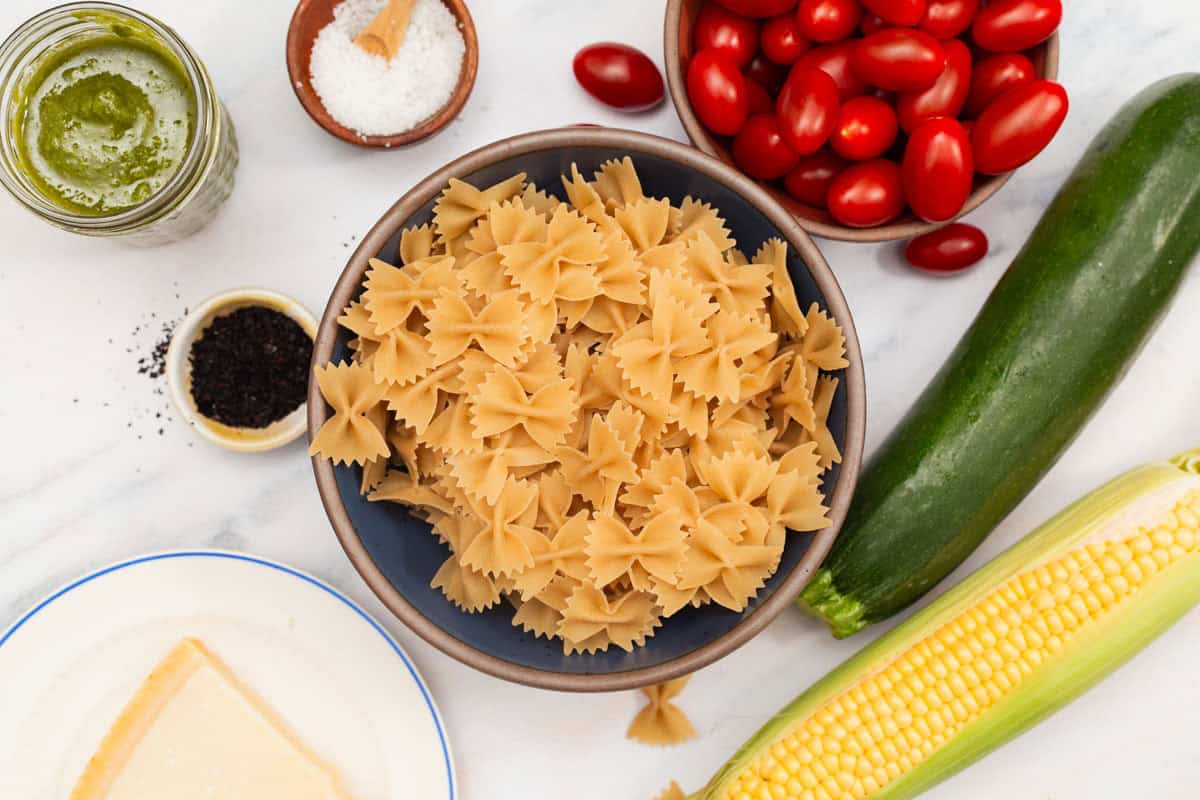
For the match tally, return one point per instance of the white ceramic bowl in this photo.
(179, 371)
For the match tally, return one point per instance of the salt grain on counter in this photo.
(377, 97)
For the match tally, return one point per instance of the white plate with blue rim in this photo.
(338, 680)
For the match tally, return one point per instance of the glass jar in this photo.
(188, 199)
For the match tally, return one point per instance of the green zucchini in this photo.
(1054, 337)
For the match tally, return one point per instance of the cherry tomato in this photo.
(872, 23)
(1006, 26)
(619, 75)
(904, 13)
(760, 151)
(938, 169)
(718, 92)
(834, 61)
(782, 41)
(995, 75)
(735, 36)
(759, 100)
(1018, 125)
(807, 109)
(866, 128)
(766, 73)
(946, 97)
(899, 60)
(945, 19)
(759, 8)
(867, 194)
(828, 20)
(947, 250)
(810, 180)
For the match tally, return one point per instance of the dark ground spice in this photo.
(154, 364)
(250, 367)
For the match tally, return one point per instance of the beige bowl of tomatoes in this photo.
(869, 120)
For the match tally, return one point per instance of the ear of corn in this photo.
(1013, 643)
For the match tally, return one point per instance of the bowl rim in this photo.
(633, 142)
(906, 229)
(301, 82)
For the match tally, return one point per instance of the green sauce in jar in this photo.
(105, 123)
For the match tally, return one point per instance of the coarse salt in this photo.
(377, 97)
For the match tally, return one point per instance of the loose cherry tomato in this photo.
(945, 19)
(872, 23)
(1006, 26)
(760, 151)
(828, 20)
(899, 60)
(766, 73)
(904, 13)
(947, 250)
(946, 97)
(1018, 125)
(759, 100)
(938, 169)
(810, 180)
(733, 35)
(834, 61)
(995, 75)
(867, 194)
(718, 92)
(807, 109)
(782, 41)
(866, 128)
(619, 75)
(759, 8)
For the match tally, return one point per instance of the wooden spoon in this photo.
(384, 35)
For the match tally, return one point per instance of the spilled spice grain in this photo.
(154, 364)
(148, 343)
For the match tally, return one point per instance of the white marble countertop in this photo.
(93, 474)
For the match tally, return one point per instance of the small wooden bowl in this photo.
(677, 44)
(313, 15)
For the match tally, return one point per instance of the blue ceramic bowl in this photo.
(395, 552)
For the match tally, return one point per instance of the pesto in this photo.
(106, 123)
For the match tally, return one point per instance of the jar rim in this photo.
(15, 54)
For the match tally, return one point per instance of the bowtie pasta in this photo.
(606, 412)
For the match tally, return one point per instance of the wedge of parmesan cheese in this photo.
(193, 732)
